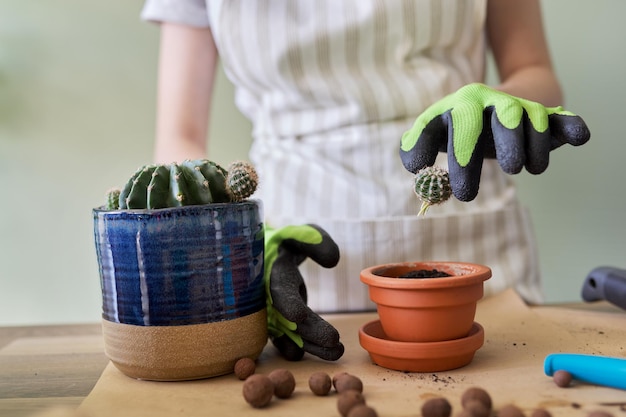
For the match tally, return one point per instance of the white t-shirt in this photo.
(330, 87)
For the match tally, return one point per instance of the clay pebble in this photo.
(362, 410)
(599, 414)
(510, 410)
(476, 408)
(345, 381)
(244, 367)
(320, 383)
(436, 407)
(562, 378)
(478, 394)
(258, 390)
(336, 377)
(284, 382)
(347, 400)
(540, 412)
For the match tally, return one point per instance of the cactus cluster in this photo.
(188, 183)
(432, 186)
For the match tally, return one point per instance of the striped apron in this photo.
(330, 87)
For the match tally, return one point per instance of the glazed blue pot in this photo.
(180, 266)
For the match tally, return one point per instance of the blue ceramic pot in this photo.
(180, 266)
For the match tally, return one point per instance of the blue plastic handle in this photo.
(599, 370)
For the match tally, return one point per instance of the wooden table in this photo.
(47, 366)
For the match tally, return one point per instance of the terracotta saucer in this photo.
(419, 357)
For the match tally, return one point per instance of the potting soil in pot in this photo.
(425, 273)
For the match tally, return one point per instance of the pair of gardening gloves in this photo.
(478, 122)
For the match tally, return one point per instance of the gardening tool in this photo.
(606, 283)
(599, 370)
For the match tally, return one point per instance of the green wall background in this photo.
(77, 98)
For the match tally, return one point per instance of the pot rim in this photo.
(101, 210)
(475, 273)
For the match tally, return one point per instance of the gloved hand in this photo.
(479, 122)
(293, 327)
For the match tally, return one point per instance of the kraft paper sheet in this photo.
(509, 366)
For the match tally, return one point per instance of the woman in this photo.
(330, 87)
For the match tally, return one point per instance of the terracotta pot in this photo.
(426, 309)
(182, 288)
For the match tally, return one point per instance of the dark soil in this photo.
(425, 273)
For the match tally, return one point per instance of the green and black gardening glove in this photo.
(293, 327)
(478, 122)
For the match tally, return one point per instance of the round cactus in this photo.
(174, 185)
(241, 180)
(432, 186)
(113, 199)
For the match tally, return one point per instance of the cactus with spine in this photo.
(188, 183)
(241, 180)
(432, 186)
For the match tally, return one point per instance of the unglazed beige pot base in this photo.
(175, 353)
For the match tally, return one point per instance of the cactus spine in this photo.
(432, 186)
(189, 183)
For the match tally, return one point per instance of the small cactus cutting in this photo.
(432, 186)
(189, 183)
(241, 180)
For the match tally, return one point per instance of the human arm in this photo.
(187, 65)
(516, 37)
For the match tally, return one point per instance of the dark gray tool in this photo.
(606, 283)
